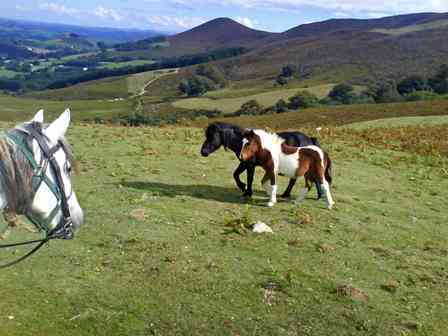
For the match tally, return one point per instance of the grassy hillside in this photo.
(266, 99)
(339, 115)
(400, 122)
(108, 88)
(152, 259)
(19, 108)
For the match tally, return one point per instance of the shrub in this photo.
(385, 92)
(289, 70)
(196, 86)
(342, 93)
(252, 107)
(281, 80)
(439, 83)
(213, 73)
(281, 106)
(411, 84)
(302, 99)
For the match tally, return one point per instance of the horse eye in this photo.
(68, 169)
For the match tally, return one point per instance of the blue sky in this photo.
(179, 15)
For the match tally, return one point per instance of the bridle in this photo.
(64, 229)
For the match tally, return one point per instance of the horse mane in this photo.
(16, 172)
(269, 140)
(228, 132)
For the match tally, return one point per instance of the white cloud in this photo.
(106, 13)
(59, 9)
(248, 22)
(352, 7)
(176, 22)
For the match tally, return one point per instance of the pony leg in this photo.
(326, 191)
(303, 193)
(269, 184)
(250, 180)
(288, 190)
(236, 176)
(273, 198)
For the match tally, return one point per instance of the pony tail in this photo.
(328, 170)
(315, 141)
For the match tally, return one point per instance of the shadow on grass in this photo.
(208, 192)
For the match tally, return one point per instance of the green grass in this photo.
(155, 256)
(400, 122)
(108, 88)
(229, 105)
(20, 108)
(339, 115)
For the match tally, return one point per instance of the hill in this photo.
(220, 33)
(351, 49)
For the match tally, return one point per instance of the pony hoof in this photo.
(285, 195)
(247, 194)
(329, 206)
(271, 204)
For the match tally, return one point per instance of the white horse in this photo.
(35, 176)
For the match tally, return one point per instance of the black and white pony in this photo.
(35, 177)
(231, 137)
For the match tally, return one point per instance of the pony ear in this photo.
(38, 117)
(248, 132)
(58, 128)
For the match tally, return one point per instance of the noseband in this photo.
(64, 229)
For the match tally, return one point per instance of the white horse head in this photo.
(44, 202)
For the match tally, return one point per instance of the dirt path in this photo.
(143, 89)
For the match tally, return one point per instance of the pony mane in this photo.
(269, 141)
(16, 172)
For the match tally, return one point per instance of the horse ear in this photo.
(38, 117)
(58, 128)
(248, 132)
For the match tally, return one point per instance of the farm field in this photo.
(229, 105)
(165, 251)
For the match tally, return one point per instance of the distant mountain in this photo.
(216, 34)
(220, 33)
(20, 30)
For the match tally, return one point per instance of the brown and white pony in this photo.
(277, 158)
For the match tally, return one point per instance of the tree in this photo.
(439, 83)
(281, 80)
(303, 99)
(289, 70)
(342, 93)
(281, 106)
(411, 84)
(102, 46)
(385, 92)
(213, 73)
(252, 107)
(195, 86)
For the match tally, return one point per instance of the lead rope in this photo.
(41, 242)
